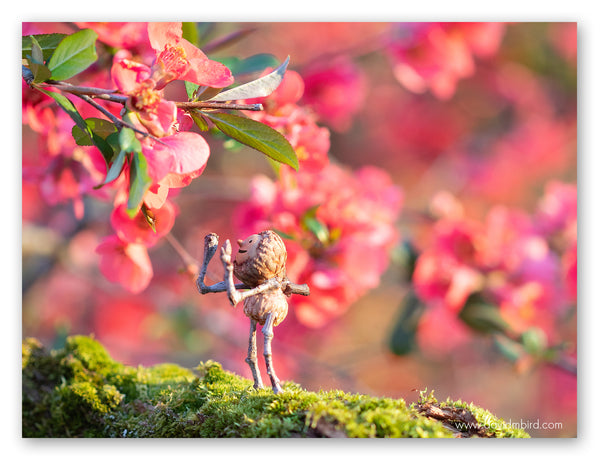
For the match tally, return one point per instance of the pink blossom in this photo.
(125, 263)
(176, 159)
(178, 59)
(336, 90)
(155, 113)
(138, 229)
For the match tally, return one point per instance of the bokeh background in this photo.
(461, 120)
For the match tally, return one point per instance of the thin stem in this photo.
(217, 105)
(192, 265)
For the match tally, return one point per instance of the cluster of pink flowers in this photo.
(435, 56)
(173, 154)
(525, 264)
(339, 226)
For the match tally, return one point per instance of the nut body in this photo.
(273, 302)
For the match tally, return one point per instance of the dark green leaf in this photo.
(256, 135)
(40, 72)
(70, 109)
(47, 42)
(402, 337)
(139, 182)
(100, 127)
(258, 88)
(482, 317)
(104, 147)
(113, 141)
(199, 121)
(115, 169)
(81, 137)
(74, 54)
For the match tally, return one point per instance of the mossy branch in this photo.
(80, 391)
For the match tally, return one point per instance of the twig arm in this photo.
(211, 242)
(290, 288)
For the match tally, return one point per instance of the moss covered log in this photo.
(80, 391)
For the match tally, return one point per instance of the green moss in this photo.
(80, 391)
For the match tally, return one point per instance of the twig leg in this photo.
(268, 334)
(251, 359)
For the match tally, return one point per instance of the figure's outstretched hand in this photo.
(226, 254)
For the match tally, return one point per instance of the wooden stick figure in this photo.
(260, 266)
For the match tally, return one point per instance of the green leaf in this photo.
(115, 169)
(508, 348)
(190, 32)
(482, 317)
(190, 89)
(70, 109)
(74, 54)
(310, 222)
(40, 72)
(199, 121)
(47, 42)
(101, 127)
(139, 182)
(128, 141)
(402, 337)
(113, 142)
(258, 88)
(256, 135)
(534, 341)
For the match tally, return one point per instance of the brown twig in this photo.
(217, 105)
(192, 266)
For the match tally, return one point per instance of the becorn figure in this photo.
(260, 265)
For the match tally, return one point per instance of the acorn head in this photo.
(260, 257)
